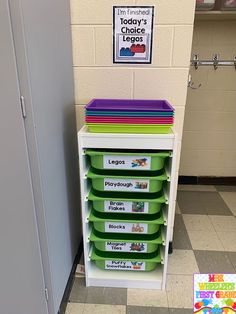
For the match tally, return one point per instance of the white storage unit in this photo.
(106, 278)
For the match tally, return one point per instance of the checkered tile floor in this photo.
(204, 241)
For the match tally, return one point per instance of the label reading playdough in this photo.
(125, 227)
(124, 265)
(126, 207)
(127, 162)
(129, 185)
(135, 247)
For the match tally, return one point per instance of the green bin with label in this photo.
(127, 160)
(126, 261)
(129, 243)
(135, 183)
(119, 223)
(150, 204)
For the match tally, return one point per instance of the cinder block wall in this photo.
(209, 140)
(97, 77)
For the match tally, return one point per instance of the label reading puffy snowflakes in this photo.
(125, 265)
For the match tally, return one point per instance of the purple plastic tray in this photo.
(129, 105)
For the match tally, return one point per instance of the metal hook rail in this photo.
(215, 62)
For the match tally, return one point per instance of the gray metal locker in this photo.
(39, 196)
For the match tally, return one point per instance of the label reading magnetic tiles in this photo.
(132, 34)
(135, 247)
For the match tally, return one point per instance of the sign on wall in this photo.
(132, 34)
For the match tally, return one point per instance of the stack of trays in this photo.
(129, 116)
(126, 208)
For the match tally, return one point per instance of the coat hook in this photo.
(235, 62)
(191, 84)
(215, 61)
(195, 61)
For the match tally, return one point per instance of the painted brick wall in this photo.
(97, 77)
(209, 140)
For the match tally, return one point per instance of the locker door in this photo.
(21, 274)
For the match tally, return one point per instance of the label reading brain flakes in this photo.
(126, 207)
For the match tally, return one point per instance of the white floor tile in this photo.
(104, 309)
(230, 200)
(180, 291)
(205, 240)
(223, 223)
(199, 188)
(182, 262)
(142, 297)
(197, 222)
(228, 240)
(75, 308)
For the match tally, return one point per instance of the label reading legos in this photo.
(214, 293)
(127, 162)
(134, 247)
(126, 227)
(126, 207)
(125, 265)
(126, 185)
(132, 34)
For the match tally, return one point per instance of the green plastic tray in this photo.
(118, 223)
(132, 244)
(141, 184)
(127, 205)
(127, 161)
(124, 261)
(129, 128)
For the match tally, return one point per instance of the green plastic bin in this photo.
(118, 223)
(129, 128)
(127, 205)
(127, 160)
(131, 244)
(126, 261)
(141, 184)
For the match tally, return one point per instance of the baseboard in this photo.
(207, 180)
(70, 281)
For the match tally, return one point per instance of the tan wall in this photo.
(97, 77)
(209, 139)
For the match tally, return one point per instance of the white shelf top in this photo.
(125, 140)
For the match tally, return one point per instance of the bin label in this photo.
(126, 207)
(128, 185)
(124, 265)
(127, 162)
(134, 247)
(126, 227)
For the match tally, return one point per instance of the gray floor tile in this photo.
(213, 262)
(79, 291)
(100, 295)
(226, 188)
(202, 203)
(180, 238)
(146, 310)
(232, 257)
(180, 311)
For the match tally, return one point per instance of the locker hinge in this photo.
(46, 293)
(23, 109)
